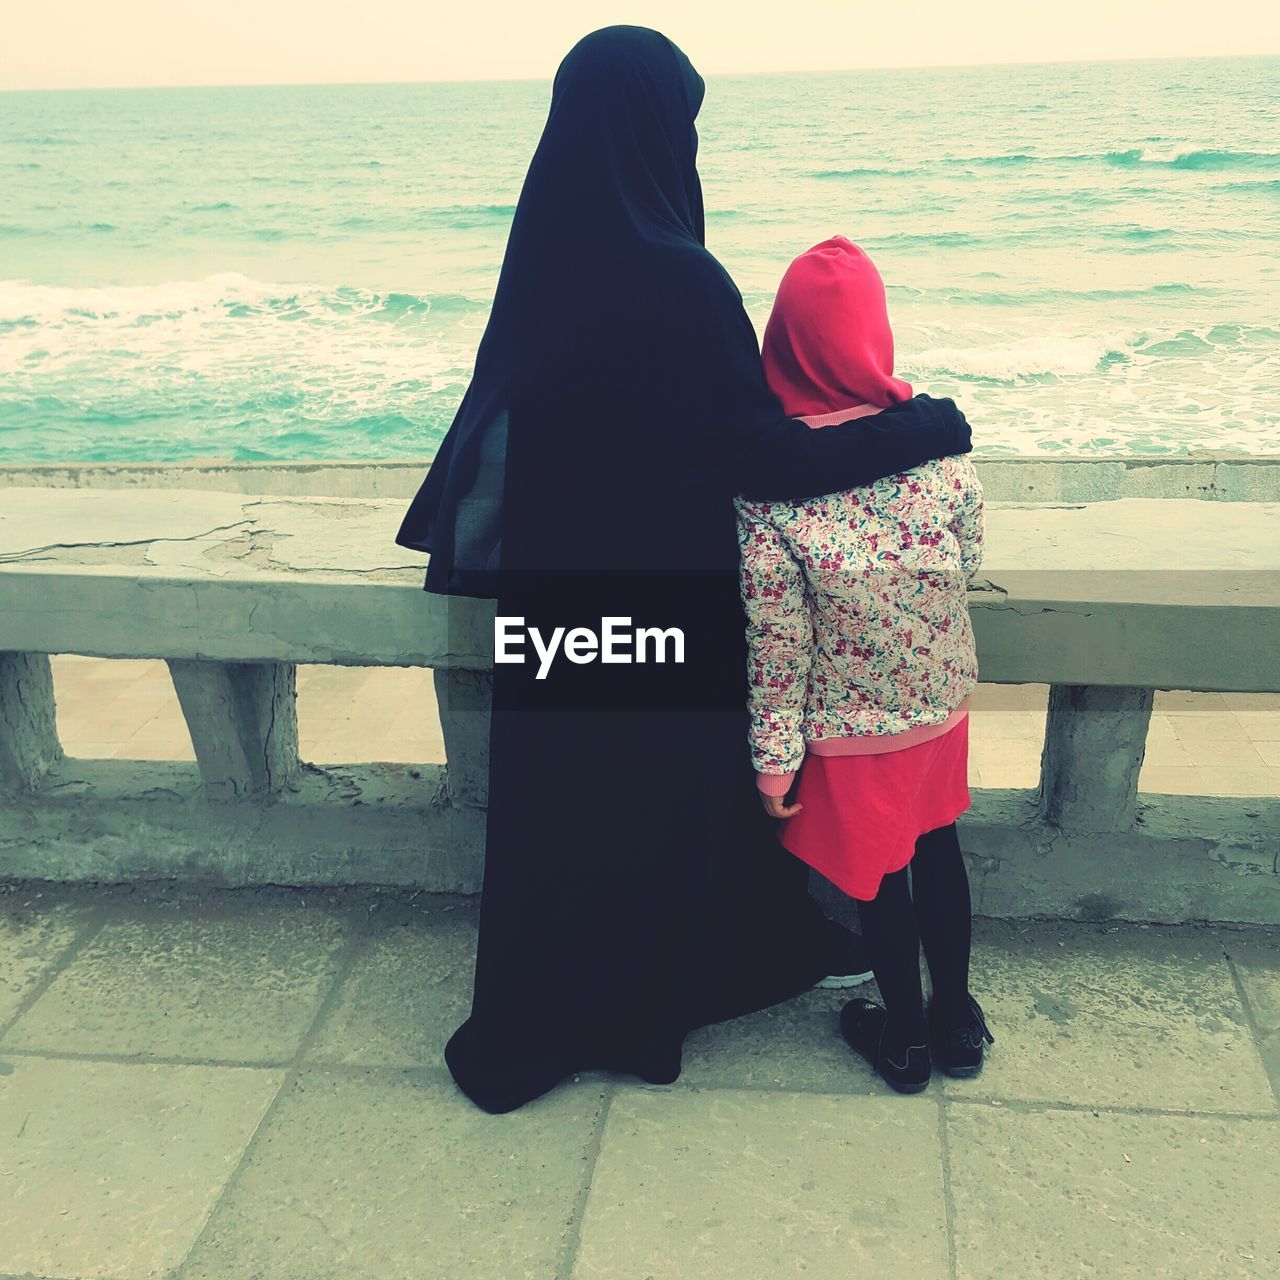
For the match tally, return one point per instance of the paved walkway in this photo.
(249, 1085)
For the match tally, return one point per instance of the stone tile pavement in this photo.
(1199, 743)
(248, 1086)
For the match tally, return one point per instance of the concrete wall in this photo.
(233, 590)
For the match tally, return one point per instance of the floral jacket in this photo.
(856, 613)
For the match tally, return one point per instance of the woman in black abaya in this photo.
(633, 888)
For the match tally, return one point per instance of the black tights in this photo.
(935, 911)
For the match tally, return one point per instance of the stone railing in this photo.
(1211, 477)
(234, 591)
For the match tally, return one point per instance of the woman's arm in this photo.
(785, 460)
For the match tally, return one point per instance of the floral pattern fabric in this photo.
(857, 613)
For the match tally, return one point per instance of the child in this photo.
(862, 665)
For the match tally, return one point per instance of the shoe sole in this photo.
(904, 1088)
(960, 1073)
(956, 1073)
(843, 981)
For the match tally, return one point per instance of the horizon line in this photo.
(796, 71)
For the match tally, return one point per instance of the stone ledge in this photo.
(1208, 475)
(1187, 858)
(131, 820)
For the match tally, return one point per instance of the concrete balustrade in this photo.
(243, 718)
(1095, 738)
(465, 699)
(29, 745)
(234, 590)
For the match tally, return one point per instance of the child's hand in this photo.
(777, 807)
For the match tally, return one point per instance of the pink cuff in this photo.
(775, 784)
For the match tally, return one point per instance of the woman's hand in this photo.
(777, 806)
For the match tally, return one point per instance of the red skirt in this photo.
(862, 814)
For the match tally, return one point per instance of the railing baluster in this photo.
(29, 744)
(465, 699)
(1095, 739)
(243, 718)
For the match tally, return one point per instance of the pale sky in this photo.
(55, 44)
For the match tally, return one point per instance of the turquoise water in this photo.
(1085, 255)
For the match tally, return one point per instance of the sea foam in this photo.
(1038, 357)
(230, 360)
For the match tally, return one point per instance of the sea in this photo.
(1084, 255)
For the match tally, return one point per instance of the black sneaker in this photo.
(862, 1023)
(959, 1045)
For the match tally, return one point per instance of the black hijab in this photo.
(612, 185)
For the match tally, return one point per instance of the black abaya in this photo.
(633, 888)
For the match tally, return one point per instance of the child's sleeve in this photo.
(780, 641)
(968, 517)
